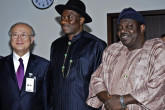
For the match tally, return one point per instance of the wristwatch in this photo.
(122, 102)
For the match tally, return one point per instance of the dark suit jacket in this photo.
(11, 98)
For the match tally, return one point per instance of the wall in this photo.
(45, 21)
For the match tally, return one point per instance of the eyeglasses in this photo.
(16, 35)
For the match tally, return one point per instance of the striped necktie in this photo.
(20, 73)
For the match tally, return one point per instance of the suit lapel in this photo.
(32, 64)
(10, 67)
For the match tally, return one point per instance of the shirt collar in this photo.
(24, 57)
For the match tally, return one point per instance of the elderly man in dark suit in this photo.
(23, 74)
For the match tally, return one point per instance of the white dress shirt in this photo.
(25, 59)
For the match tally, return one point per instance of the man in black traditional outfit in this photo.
(74, 57)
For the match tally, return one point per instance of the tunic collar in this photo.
(76, 37)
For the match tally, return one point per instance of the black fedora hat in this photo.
(75, 5)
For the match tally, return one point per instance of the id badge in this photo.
(30, 83)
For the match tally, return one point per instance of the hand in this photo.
(113, 103)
